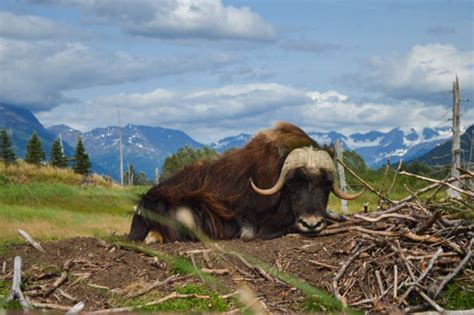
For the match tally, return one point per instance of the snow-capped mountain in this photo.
(230, 142)
(145, 147)
(374, 146)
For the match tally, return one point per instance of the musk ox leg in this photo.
(335, 216)
(139, 228)
(247, 232)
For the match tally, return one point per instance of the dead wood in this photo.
(31, 241)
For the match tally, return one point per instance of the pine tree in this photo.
(82, 164)
(7, 155)
(34, 150)
(58, 159)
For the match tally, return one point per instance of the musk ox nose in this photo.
(310, 223)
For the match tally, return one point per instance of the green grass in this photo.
(56, 210)
(457, 298)
(214, 303)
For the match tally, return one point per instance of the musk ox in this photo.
(226, 199)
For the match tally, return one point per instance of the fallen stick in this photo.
(16, 293)
(395, 281)
(422, 275)
(4, 267)
(317, 263)
(428, 224)
(429, 300)
(343, 269)
(453, 274)
(57, 307)
(173, 295)
(31, 241)
(431, 187)
(363, 182)
(154, 285)
(384, 216)
(76, 309)
(471, 194)
(379, 281)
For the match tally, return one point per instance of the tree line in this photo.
(35, 154)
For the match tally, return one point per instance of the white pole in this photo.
(340, 171)
(120, 147)
(456, 146)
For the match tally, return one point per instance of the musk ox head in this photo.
(307, 177)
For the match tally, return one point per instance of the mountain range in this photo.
(147, 147)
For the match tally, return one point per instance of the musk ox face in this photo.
(307, 176)
(309, 195)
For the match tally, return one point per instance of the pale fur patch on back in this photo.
(185, 216)
(247, 233)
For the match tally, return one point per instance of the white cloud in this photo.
(208, 19)
(211, 114)
(37, 75)
(27, 26)
(424, 70)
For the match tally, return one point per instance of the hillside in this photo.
(22, 123)
(441, 155)
(145, 147)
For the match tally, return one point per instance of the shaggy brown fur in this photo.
(219, 193)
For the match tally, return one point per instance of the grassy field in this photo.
(50, 203)
(53, 203)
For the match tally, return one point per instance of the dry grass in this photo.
(22, 172)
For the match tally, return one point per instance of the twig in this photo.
(76, 309)
(471, 194)
(430, 222)
(4, 267)
(173, 295)
(384, 216)
(453, 274)
(57, 307)
(429, 300)
(154, 285)
(322, 264)
(395, 177)
(431, 187)
(379, 281)
(342, 270)
(16, 285)
(366, 185)
(422, 275)
(395, 281)
(30, 240)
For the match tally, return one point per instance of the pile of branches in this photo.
(406, 254)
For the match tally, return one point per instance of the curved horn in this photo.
(271, 191)
(339, 193)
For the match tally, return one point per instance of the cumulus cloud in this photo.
(37, 75)
(27, 26)
(424, 71)
(211, 114)
(209, 19)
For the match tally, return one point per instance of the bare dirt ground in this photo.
(99, 270)
(355, 261)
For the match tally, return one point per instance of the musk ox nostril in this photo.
(311, 223)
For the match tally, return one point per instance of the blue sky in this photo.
(217, 68)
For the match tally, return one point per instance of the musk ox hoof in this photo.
(153, 237)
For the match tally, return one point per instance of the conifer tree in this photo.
(34, 150)
(82, 164)
(7, 155)
(58, 159)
